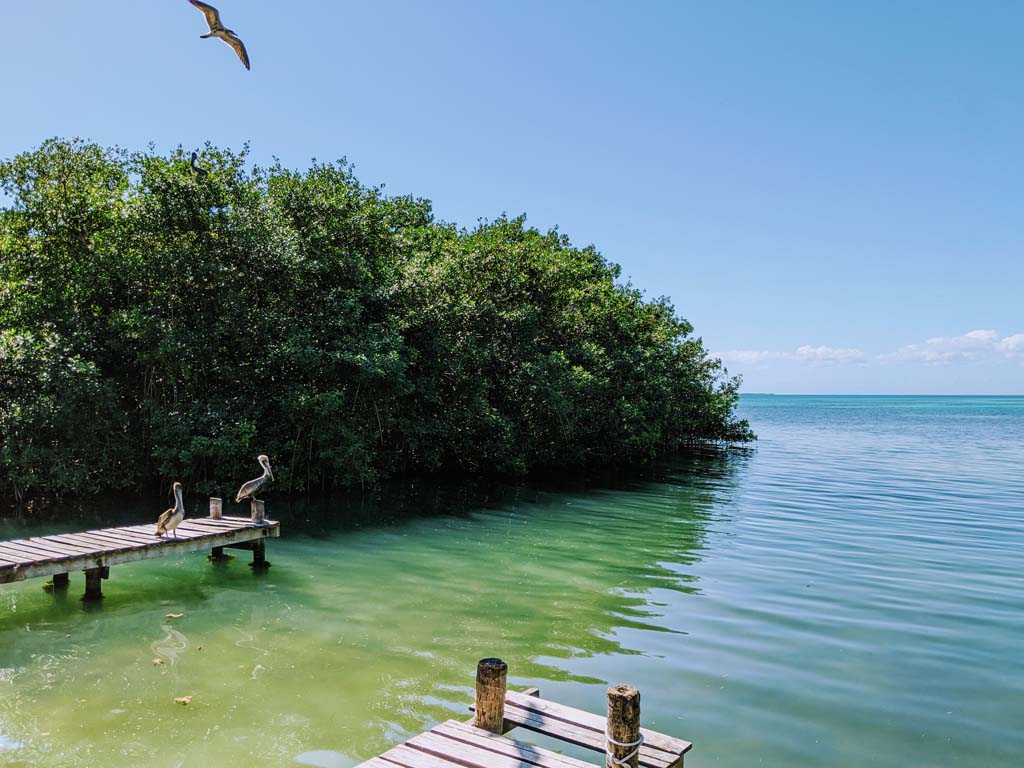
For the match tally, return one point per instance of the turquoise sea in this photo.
(847, 591)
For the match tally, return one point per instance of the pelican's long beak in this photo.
(269, 472)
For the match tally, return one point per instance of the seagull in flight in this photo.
(218, 30)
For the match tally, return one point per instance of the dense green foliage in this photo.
(157, 324)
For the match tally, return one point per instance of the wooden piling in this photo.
(259, 554)
(61, 580)
(623, 726)
(491, 677)
(216, 508)
(93, 588)
(259, 511)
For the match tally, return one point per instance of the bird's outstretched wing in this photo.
(235, 42)
(212, 15)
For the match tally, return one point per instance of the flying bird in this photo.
(197, 169)
(251, 488)
(172, 518)
(218, 30)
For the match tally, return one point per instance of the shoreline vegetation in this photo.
(157, 323)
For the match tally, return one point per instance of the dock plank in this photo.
(583, 737)
(580, 717)
(24, 549)
(502, 745)
(60, 545)
(106, 542)
(407, 757)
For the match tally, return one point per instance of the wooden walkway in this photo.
(95, 551)
(472, 744)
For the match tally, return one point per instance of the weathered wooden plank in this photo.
(61, 541)
(583, 737)
(41, 543)
(594, 722)
(189, 526)
(30, 563)
(140, 538)
(28, 545)
(478, 737)
(206, 524)
(24, 554)
(473, 754)
(106, 542)
(24, 549)
(77, 540)
(376, 762)
(407, 757)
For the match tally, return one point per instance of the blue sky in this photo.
(832, 193)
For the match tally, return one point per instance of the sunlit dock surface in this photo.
(95, 551)
(481, 742)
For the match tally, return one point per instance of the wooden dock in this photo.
(481, 742)
(95, 551)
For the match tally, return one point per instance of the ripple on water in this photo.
(848, 591)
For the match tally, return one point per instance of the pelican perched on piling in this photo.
(251, 488)
(218, 30)
(172, 518)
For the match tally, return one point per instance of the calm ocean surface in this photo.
(849, 591)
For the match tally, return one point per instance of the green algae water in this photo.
(848, 591)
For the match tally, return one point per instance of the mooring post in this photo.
(259, 511)
(216, 513)
(93, 588)
(623, 731)
(491, 677)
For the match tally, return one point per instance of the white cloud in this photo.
(825, 354)
(803, 354)
(1012, 346)
(974, 346)
(967, 348)
(746, 356)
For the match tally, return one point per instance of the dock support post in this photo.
(93, 589)
(61, 581)
(259, 555)
(623, 727)
(259, 511)
(491, 677)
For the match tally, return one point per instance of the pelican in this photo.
(197, 169)
(172, 518)
(218, 30)
(250, 489)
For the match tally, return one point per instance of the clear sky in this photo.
(832, 193)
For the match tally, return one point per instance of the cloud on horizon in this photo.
(971, 347)
(806, 353)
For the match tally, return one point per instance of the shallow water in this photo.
(850, 591)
